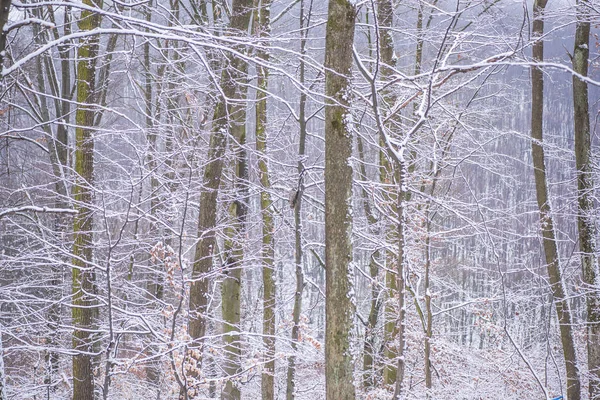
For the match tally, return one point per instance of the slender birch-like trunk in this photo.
(291, 372)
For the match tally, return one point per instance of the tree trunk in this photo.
(225, 119)
(547, 224)
(429, 324)
(232, 283)
(154, 285)
(426, 285)
(369, 345)
(4, 11)
(262, 30)
(234, 253)
(57, 146)
(340, 306)
(291, 372)
(390, 326)
(84, 305)
(401, 183)
(394, 327)
(585, 188)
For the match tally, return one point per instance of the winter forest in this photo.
(299, 199)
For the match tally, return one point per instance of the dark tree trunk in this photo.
(340, 307)
(585, 188)
(291, 372)
(227, 116)
(547, 224)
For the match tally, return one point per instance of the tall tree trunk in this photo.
(262, 30)
(401, 174)
(234, 258)
(225, 120)
(154, 284)
(291, 372)
(547, 224)
(585, 188)
(394, 327)
(369, 345)
(426, 285)
(390, 326)
(369, 351)
(234, 253)
(57, 149)
(340, 306)
(84, 305)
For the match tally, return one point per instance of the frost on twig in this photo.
(36, 209)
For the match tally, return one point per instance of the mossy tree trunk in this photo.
(232, 283)
(84, 308)
(262, 30)
(234, 250)
(340, 306)
(238, 210)
(228, 112)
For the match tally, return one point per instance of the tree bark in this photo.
(232, 283)
(401, 174)
(57, 150)
(4, 11)
(84, 308)
(340, 306)
(262, 30)
(226, 117)
(427, 285)
(390, 333)
(154, 284)
(547, 224)
(234, 253)
(297, 310)
(369, 350)
(585, 188)
(394, 327)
